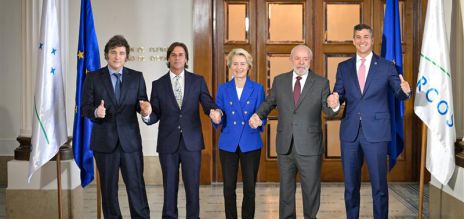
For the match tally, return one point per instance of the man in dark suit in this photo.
(111, 98)
(363, 83)
(300, 96)
(175, 99)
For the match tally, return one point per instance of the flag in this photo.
(49, 112)
(391, 50)
(434, 98)
(88, 59)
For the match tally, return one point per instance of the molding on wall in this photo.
(7, 146)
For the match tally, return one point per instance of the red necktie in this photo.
(362, 75)
(297, 90)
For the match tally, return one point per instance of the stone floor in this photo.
(403, 201)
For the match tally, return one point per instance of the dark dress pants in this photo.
(375, 154)
(131, 165)
(189, 161)
(249, 162)
(309, 168)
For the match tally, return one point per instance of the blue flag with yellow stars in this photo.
(88, 59)
(392, 51)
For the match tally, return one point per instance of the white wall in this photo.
(10, 62)
(456, 185)
(144, 23)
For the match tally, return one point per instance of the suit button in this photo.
(248, 102)
(235, 123)
(180, 116)
(245, 112)
(178, 127)
(233, 112)
(230, 102)
(243, 123)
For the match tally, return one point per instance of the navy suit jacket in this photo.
(173, 120)
(235, 129)
(120, 121)
(370, 108)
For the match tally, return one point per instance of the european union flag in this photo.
(88, 59)
(391, 50)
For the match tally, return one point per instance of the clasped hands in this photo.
(333, 100)
(215, 115)
(145, 108)
(255, 121)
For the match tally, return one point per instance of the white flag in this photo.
(434, 99)
(49, 115)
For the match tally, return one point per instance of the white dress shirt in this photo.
(181, 81)
(367, 63)
(302, 80)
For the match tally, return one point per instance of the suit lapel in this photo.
(232, 91)
(126, 79)
(306, 88)
(247, 90)
(108, 84)
(372, 70)
(288, 86)
(168, 88)
(354, 75)
(187, 85)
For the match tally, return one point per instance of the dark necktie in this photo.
(117, 86)
(297, 90)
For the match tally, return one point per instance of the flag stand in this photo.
(58, 176)
(422, 170)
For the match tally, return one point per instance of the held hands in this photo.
(215, 115)
(101, 110)
(255, 121)
(333, 100)
(145, 108)
(405, 85)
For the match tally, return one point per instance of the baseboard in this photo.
(152, 171)
(443, 205)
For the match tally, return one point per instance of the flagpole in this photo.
(422, 170)
(58, 176)
(99, 207)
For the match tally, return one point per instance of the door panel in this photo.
(269, 29)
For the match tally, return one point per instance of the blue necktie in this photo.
(117, 86)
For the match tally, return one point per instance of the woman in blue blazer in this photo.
(239, 99)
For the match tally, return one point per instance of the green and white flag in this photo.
(434, 99)
(49, 112)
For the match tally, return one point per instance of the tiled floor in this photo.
(403, 201)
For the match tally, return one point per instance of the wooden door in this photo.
(269, 29)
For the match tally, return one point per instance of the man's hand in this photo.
(101, 110)
(405, 85)
(215, 115)
(333, 100)
(145, 108)
(255, 121)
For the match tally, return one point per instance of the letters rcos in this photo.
(432, 95)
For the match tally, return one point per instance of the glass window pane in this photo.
(277, 64)
(341, 18)
(333, 140)
(285, 22)
(236, 22)
(272, 127)
(332, 65)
